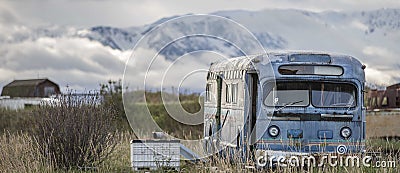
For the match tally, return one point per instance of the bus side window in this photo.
(208, 92)
(231, 93)
(228, 93)
(234, 92)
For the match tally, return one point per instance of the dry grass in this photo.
(383, 125)
(19, 153)
(119, 160)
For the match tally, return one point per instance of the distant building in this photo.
(30, 88)
(384, 99)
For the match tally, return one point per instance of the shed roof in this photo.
(394, 86)
(29, 82)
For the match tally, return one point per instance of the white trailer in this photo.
(155, 154)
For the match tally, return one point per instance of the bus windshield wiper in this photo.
(351, 104)
(289, 104)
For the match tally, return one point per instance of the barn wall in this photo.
(41, 88)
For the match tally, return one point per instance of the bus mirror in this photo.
(363, 66)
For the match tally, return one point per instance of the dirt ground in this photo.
(382, 125)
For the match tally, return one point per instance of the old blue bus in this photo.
(300, 102)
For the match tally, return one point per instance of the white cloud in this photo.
(125, 13)
(7, 15)
(383, 70)
(383, 78)
(186, 72)
(377, 51)
(69, 60)
(381, 57)
(359, 25)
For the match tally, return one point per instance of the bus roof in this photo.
(282, 57)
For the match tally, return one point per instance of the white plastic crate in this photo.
(154, 154)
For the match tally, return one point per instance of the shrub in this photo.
(112, 94)
(74, 131)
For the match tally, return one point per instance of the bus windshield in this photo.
(299, 94)
(288, 94)
(333, 95)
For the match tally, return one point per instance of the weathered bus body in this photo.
(285, 102)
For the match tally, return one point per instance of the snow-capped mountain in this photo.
(124, 39)
(273, 28)
(266, 25)
(372, 36)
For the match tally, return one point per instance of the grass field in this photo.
(18, 151)
(18, 154)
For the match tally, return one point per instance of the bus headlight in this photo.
(273, 131)
(345, 132)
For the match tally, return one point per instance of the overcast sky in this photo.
(124, 13)
(82, 63)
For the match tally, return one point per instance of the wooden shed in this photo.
(384, 99)
(31, 88)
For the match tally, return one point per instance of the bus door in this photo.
(218, 113)
(250, 135)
